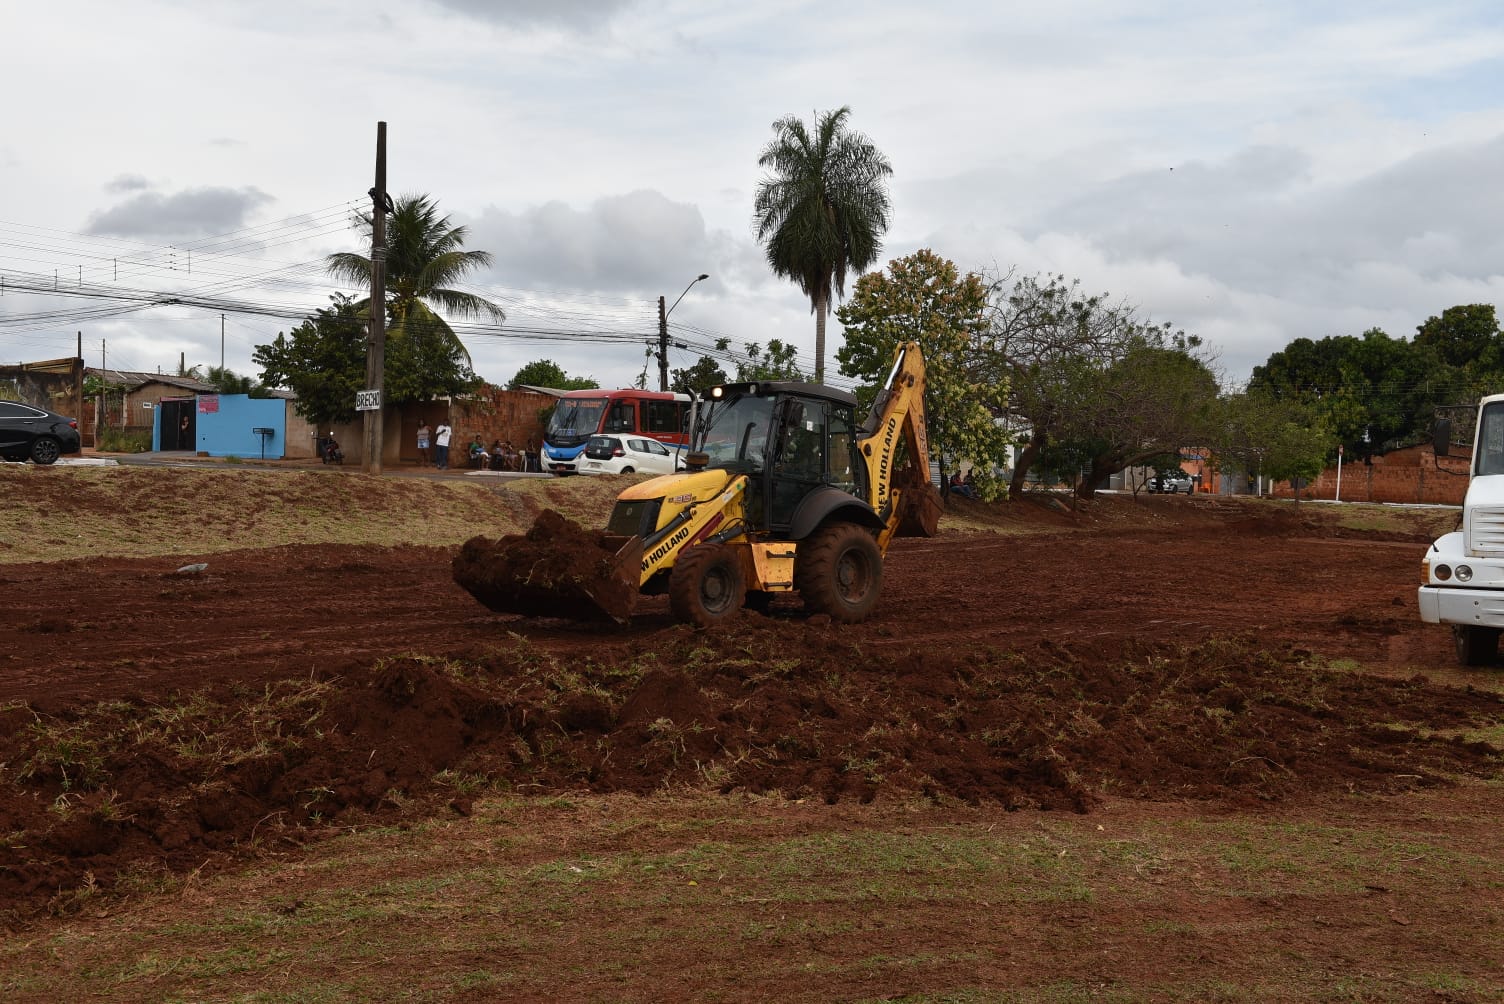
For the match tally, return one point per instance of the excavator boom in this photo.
(902, 497)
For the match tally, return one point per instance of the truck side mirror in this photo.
(1441, 437)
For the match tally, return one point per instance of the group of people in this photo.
(960, 484)
(502, 456)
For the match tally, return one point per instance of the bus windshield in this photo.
(575, 419)
(735, 432)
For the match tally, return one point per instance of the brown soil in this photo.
(1148, 649)
(556, 565)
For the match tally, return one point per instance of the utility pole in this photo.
(79, 410)
(376, 350)
(663, 332)
(662, 346)
(221, 343)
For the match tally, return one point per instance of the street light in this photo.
(663, 332)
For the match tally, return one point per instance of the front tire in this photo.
(45, 450)
(627, 470)
(839, 571)
(1476, 646)
(706, 585)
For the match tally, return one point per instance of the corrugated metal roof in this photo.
(131, 379)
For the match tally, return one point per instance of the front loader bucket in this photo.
(919, 505)
(556, 569)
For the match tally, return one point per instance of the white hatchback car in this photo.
(626, 454)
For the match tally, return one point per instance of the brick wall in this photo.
(1410, 475)
(493, 412)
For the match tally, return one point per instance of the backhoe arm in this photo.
(904, 499)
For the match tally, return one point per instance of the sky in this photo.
(1248, 173)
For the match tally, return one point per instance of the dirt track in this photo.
(1108, 657)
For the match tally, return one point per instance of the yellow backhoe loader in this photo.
(784, 492)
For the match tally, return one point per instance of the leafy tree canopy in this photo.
(923, 298)
(1275, 438)
(547, 373)
(777, 362)
(1088, 378)
(323, 362)
(1369, 390)
(1465, 336)
(706, 372)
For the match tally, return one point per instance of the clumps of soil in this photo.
(93, 796)
(556, 569)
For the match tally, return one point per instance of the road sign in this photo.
(368, 400)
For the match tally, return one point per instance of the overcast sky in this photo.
(1252, 173)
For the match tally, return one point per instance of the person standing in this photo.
(441, 434)
(423, 437)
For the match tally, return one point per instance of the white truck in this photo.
(1462, 575)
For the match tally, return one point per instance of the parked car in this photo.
(626, 454)
(1172, 484)
(36, 434)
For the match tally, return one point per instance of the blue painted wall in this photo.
(227, 431)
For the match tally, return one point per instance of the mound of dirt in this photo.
(556, 569)
(768, 705)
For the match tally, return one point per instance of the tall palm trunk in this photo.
(822, 307)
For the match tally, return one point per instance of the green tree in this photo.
(778, 361)
(1156, 399)
(547, 373)
(1270, 437)
(1465, 336)
(322, 361)
(924, 299)
(706, 372)
(821, 210)
(425, 258)
(1057, 350)
(226, 381)
(1369, 390)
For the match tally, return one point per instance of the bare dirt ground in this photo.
(1147, 655)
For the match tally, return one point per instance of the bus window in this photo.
(622, 417)
(664, 416)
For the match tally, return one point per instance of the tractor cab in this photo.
(792, 440)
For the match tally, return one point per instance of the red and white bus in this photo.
(580, 414)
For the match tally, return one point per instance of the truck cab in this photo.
(1462, 574)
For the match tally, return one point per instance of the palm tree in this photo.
(424, 258)
(823, 210)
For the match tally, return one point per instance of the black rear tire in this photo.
(706, 585)
(45, 450)
(839, 571)
(1476, 646)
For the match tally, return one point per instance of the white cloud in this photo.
(1333, 165)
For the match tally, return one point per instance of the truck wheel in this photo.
(706, 585)
(839, 571)
(1476, 646)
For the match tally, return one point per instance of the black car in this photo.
(28, 433)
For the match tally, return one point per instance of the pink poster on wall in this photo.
(208, 404)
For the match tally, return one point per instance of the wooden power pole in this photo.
(376, 348)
